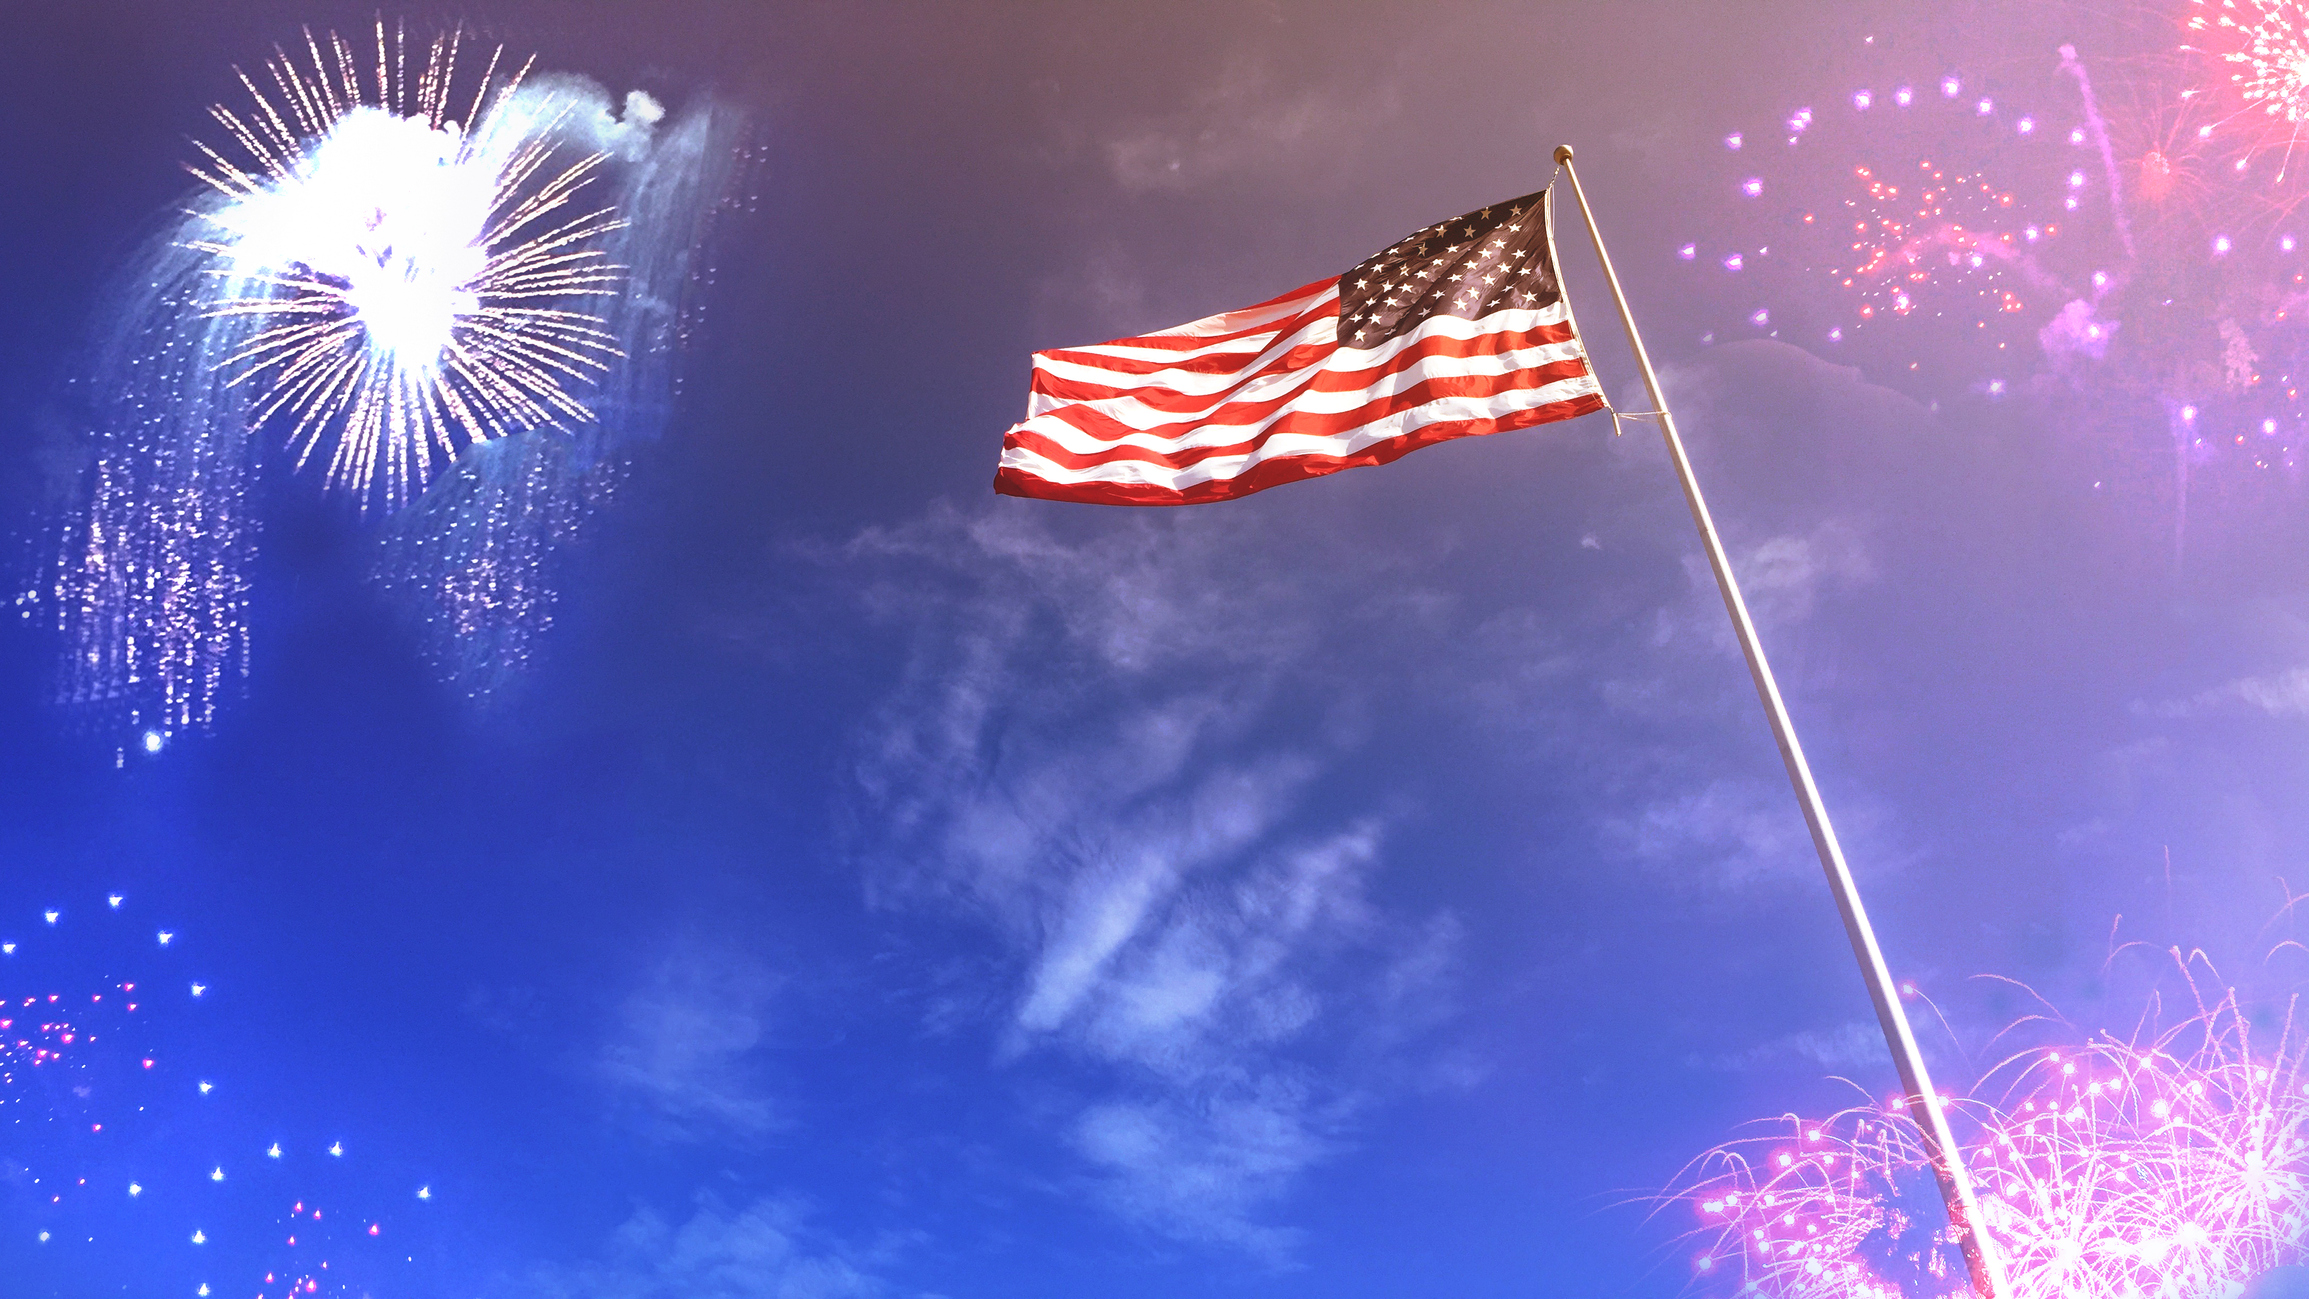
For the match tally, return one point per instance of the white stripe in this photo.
(1122, 347)
(1229, 337)
(1131, 412)
(1234, 322)
(1284, 447)
(1348, 358)
(1490, 322)
(1321, 331)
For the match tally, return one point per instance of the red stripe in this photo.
(1286, 469)
(1216, 363)
(1307, 423)
(1172, 402)
(1177, 340)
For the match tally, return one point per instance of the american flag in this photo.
(1459, 329)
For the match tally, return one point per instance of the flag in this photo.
(1458, 330)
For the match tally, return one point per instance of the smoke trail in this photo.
(478, 557)
(2099, 127)
(2181, 419)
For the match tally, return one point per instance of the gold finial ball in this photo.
(1562, 154)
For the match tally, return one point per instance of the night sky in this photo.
(1381, 886)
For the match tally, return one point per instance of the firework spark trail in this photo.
(150, 590)
(2170, 1166)
(475, 557)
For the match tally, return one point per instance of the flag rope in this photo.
(1986, 1268)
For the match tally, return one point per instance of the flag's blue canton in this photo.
(1492, 258)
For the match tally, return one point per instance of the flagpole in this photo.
(1980, 1256)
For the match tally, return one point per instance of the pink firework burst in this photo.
(2173, 1165)
(2261, 48)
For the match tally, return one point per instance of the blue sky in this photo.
(873, 887)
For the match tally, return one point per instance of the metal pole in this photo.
(1980, 1257)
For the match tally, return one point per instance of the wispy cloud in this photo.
(1663, 673)
(1121, 757)
(685, 1047)
(1743, 831)
(1783, 578)
(2282, 694)
(1246, 118)
(1854, 1045)
(764, 1250)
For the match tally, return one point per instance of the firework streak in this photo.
(391, 263)
(410, 281)
(2175, 1167)
(2264, 47)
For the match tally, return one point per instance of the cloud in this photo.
(1852, 1046)
(686, 1046)
(2283, 694)
(1743, 831)
(765, 1250)
(1782, 578)
(1121, 759)
(1243, 120)
(1201, 1172)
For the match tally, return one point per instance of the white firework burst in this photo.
(419, 266)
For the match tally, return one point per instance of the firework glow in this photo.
(479, 558)
(398, 255)
(2111, 239)
(414, 282)
(122, 1153)
(2174, 1165)
(2263, 47)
